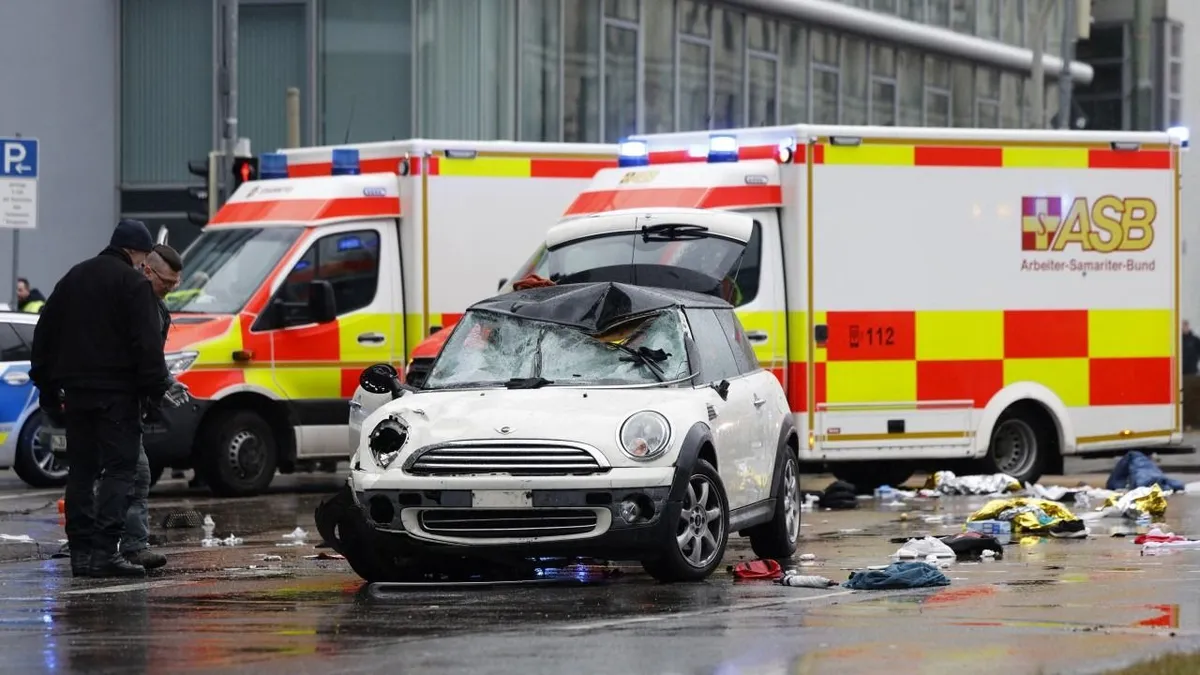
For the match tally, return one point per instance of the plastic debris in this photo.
(270, 558)
(209, 526)
(947, 483)
(757, 569)
(1027, 515)
(924, 548)
(1148, 501)
(807, 556)
(805, 580)
(297, 534)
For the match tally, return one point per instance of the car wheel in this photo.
(240, 453)
(1018, 447)
(697, 541)
(866, 476)
(35, 463)
(777, 539)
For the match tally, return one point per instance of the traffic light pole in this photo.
(229, 99)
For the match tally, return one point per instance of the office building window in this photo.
(1010, 100)
(366, 70)
(987, 19)
(695, 83)
(937, 92)
(620, 81)
(826, 78)
(581, 71)
(938, 13)
(962, 94)
(911, 85)
(762, 83)
(854, 81)
(1012, 22)
(728, 75)
(793, 77)
(913, 10)
(658, 26)
(883, 86)
(540, 75)
(987, 98)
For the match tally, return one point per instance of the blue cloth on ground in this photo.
(1136, 470)
(898, 575)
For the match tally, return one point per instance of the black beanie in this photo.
(133, 235)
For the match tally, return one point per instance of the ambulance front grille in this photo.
(515, 458)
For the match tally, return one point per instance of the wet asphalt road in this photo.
(1049, 605)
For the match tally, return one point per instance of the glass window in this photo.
(883, 102)
(883, 62)
(826, 49)
(989, 114)
(621, 9)
(763, 96)
(695, 17)
(885, 6)
(366, 70)
(539, 70)
(793, 82)
(1011, 22)
(911, 88)
(25, 332)
(728, 77)
(715, 355)
(962, 16)
(987, 18)
(761, 34)
(1176, 40)
(939, 13)
(913, 10)
(743, 352)
(581, 71)
(1174, 112)
(937, 108)
(854, 83)
(749, 270)
(962, 93)
(825, 96)
(693, 86)
(349, 261)
(12, 347)
(272, 56)
(225, 266)
(987, 83)
(1175, 80)
(659, 69)
(620, 83)
(937, 73)
(1010, 101)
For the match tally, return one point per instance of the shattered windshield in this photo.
(490, 349)
(224, 266)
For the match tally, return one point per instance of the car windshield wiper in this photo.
(464, 385)
(646, 357)
(673, 232)
(527, 383)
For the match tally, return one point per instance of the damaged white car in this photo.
(596, 420)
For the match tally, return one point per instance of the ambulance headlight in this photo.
(178, 362)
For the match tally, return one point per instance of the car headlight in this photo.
(177, 362)
(387, 440)
(645, 435)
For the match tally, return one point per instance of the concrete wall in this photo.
(60, 84)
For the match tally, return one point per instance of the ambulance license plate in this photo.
(501, 499)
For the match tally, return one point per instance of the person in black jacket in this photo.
(1191, 350)
(98, 365)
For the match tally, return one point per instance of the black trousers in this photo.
(104, 435)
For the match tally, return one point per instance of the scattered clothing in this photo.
(1136, 470)
(1028, 515)
(1144, 501)
(1069, 529)
(947, 483)
(1157, 536)
(923, 548)
(972, 545)
(805, 581)
(898, 575)
(757, 569)
(840, 495)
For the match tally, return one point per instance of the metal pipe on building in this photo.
(910, 34)
(1037, 62)
(1143, 92)
(229, 82)
(293, 117)
(1069, 31)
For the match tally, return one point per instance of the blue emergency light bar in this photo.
(345, 162)
(272, 165)
(722, 148)
(633, 153)
(1181, 134)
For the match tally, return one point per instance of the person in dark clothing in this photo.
(98, 365)
(29, 299)
(1191, 350)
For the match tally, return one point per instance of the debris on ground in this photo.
(1136, 470)
(325, 556)
(805, 580)
(1138, 503)
(19, 538)
(1030, 516)
(840, 495)
(1157, 535)
(231, 540)
(949, 484)
(757, 569)
(1001, 530)
(898, 575)
(270, 558)
(181, 520)
(295, 538)
(923, 549)
(973, 545)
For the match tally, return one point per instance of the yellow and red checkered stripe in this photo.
(482, 166)
(879, 152)
(1086, 357)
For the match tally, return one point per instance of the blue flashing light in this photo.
(722, 149)
(345, 162)
(272, 165)
(349, 243)
(1181, 134)
(633, 153)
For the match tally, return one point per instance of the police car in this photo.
(21, 448)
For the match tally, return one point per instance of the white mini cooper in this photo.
(597, 420)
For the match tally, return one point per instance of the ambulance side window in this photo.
(349, 261)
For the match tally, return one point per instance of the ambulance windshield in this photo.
(225, 266)
(679, 257)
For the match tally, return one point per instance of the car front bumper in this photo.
(170, 444)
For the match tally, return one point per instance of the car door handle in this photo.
(372, 339)
(757, 336)
(16, 378)
(758, 402)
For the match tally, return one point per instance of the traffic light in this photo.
(244, 169)
(206, 195)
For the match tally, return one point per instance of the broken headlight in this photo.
(387, 440)
(644, 435)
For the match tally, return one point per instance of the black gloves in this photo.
(51, 404)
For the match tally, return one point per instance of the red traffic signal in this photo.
(244, 169)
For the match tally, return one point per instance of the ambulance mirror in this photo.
(501, 284)
(322, 304)
(820, 334)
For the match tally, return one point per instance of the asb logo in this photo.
(1104, 225)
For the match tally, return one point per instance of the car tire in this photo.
(705, 516)
(35, 465)
(1019, 445)
(342, 525)
(777, 539)
(239, 453)
(866, 476)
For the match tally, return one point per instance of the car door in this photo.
(16, 389)
(766, 398)
(732, 418)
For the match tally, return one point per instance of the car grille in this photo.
(507, 523)
(516, 459)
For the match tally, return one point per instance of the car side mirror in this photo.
(722, 389)
(501, 284)
(382, 378)
(322, 304)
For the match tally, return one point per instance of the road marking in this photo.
(43, 493)
(700, 612)
(125, 588)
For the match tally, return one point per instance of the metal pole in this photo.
(1037, 98)
(1143, 106)
(1065, 112)
(293, 117)
(16, 238)
(229, 79)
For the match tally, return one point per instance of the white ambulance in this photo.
(336, 259)
(925, 295)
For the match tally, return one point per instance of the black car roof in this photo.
(594, 307)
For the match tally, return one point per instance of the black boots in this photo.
(81, 562)
(146, 558)
(106, 565)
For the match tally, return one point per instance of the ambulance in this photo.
(336, 259)
(990, 299)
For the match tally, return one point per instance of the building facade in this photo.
(559, 70)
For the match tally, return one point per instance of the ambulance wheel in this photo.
(34, 462)
(866, 476)
(1020, 443)
(240, 453)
